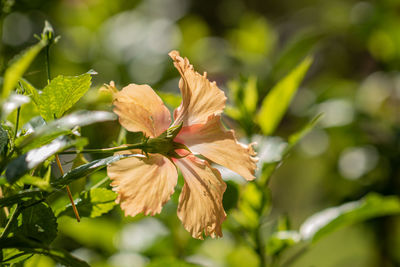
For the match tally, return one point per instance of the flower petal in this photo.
(140, 109)
(200, 203)
(200, 97)
(219, 145)
(143, 184)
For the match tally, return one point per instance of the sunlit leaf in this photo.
(30, 247)
(281, 240)
(30, 90)
(329, 220)
(61, 94)
(13, 102)
(249, 206)
(46, 133)
(172, 100)
(20, 65)
(82, 118)
(39, 182)
(87, 169)
(242, 255)
(92, 203)
(278, 99)
(41, 140)
(13, 256)
(22, 164)
(233, 112)
(250, 94)
(60, 256)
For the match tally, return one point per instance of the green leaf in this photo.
(250, 204)
(60, 256)
(13, 102)
(278, 99)
(250, 94)
(329, 220)
(20, 197)
(37, 223)
(22, 164)
(57, 255)
(92, 203)
(36, 181)
(41, 140)
(87, 169)
(172, 100)
(297, 48)
(30, 90)
(13, 256)
(297, 136)
(281, 240)
(46, 133)
(61, 94)
(18, 68)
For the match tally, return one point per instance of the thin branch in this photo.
(78, 218)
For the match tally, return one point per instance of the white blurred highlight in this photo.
(356, 161)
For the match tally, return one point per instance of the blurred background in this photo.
(354, 81)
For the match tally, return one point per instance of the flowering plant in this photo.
(145, 184)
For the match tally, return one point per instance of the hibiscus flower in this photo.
(146, 184)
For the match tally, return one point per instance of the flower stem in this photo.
(107, 150)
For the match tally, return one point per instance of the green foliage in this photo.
(170, 262)
(26, 162)
(278, 99)
(92, 203)
(268, 168)
(281, 240)
(30, 90)
(39, 182)
(41, 133)
(36, 223)
(19, 66)
(329, 220)
(13, 102)
(3, 141)
(86, 169)
(61, 94)
(20, 197)
(263, 42)
(57, 255)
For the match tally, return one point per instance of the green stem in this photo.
(108, 150)
(48, 63)
(260, 248)
(17, 122)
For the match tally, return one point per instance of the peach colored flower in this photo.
(146, 184)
